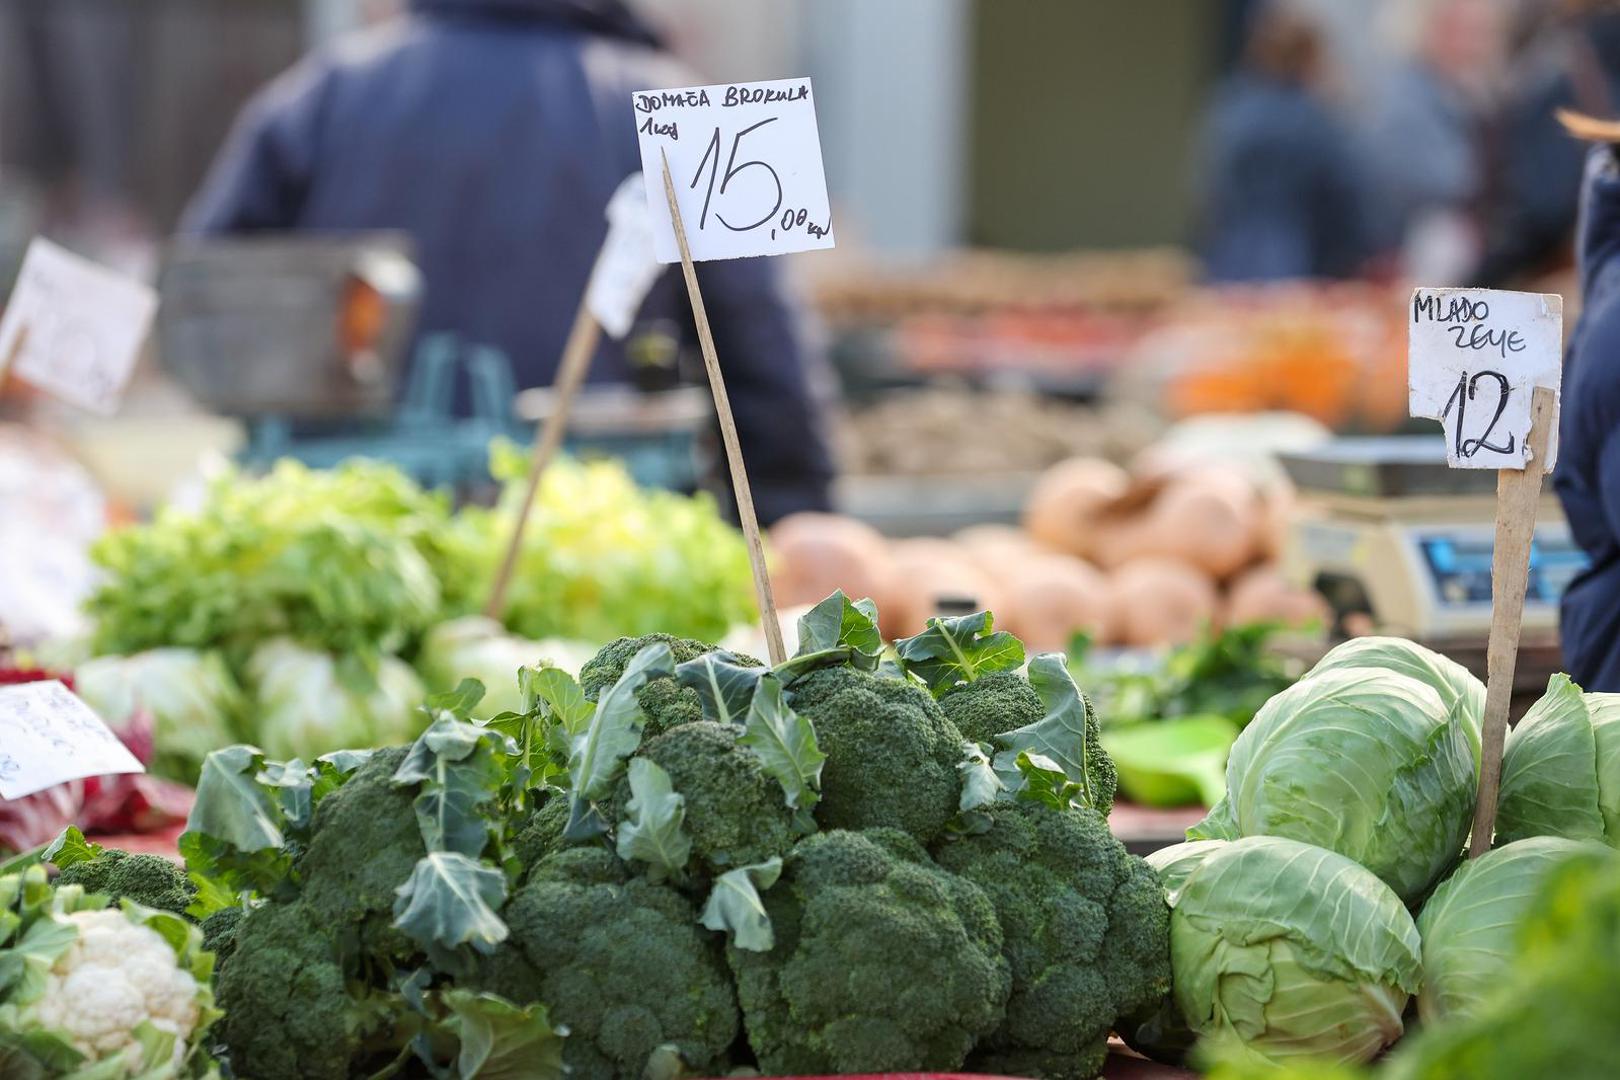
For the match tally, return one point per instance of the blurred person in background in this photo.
(494, 132)
(1587, 477)
(1426, 140)
(1281, 193)
(1569, 59)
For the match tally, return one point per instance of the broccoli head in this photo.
(623, 964)
(736, 812)
(364, 843)
(146, 879)
(992, 704)
(892, 755)
(542, 833)
(1086, 928)
(219, 934)
(883, 962)
(287, 1013)
(664, 702)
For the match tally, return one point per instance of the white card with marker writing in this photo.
(746, 162)
(626, 268)
(48, 736)
(1474, 357)
(85, 326)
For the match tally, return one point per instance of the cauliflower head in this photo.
(120, 990)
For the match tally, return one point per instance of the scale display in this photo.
(1459, 567)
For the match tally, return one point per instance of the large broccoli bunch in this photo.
(1086, 927)
(882, 962)
(665, 703)
(623, 964)
(892, 756)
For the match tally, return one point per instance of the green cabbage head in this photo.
(310, 703)
(1281, 950)
(1561, 768)
(1461, 691)
(1362, 761)
(1470, 925)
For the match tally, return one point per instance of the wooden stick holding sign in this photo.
(623, 272)
(1487, 364)
(1518, 495)
(728, 436)
(749, 158)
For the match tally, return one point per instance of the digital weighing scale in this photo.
(1386, 531)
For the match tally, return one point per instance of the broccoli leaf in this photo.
(723, 685)
(1045, 782)
(654, 833)
(332, 770)
(500, 1041)
(785, 744)
(1062, 735)
(70, 848)
(293, 785)
(459, 775)
(959, 650)
(734, 905)
(836, 631)
(450, 901)
(560, 693)
(980, 783)
(459, 702)
(596, 754)
(230, 806)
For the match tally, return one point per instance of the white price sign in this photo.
(48, 737)
(84, 327)
(746, 162)
(1474, 358)
(626, 269)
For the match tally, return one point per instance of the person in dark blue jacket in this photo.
(1281, 194)
(1587, 477)
(494, 132)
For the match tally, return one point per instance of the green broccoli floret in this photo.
(1087, 934)
(665, 702)
(364, 843)
(622, 964)
(542, 833)
(736, 813)
(992, 704)
(892, 755)
(288, 1015)
(146, 879)
(219, 934)
(883, 962)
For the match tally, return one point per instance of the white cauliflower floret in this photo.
(116, 975)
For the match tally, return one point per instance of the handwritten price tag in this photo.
(48, 737)
(746, 160)
(1474, 357)
(627, 267)
(84, 324)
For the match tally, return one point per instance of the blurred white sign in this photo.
(82, 327)
(48, 737)
(746, 162)
(1474, 357)
(626, 269)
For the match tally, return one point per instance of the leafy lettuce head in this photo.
(1561, 768)
(1284, 950)
(1470, 925)
(1362, 761)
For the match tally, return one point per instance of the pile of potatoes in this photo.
(1137, 560)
